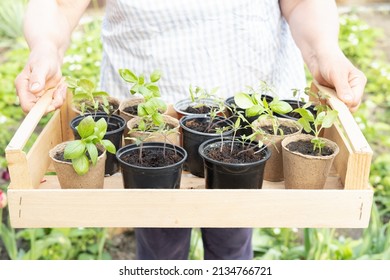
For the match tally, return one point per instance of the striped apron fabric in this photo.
(228, 44)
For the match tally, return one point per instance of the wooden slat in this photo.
(342, 160)
(67, 114)
(18, 169)
(38, 156)
(357, 140)
(30, 122)
(358, 165)
(190, 208)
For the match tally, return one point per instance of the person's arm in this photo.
(314, 25)
(48, 25)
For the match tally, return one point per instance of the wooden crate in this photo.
(36, 200)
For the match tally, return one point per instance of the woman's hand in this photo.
(42, 72)
(333, 69)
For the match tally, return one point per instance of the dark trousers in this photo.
(174, 243)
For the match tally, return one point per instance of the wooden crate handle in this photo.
(356, 138)
(30, 122)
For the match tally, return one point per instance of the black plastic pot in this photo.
(115, 127)
(295, 116)
(229, 102)
(221, 175)
(137, 177)
(191, 140)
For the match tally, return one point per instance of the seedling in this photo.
(84, 151)
(199, 96)
(324, 119)
(255, 105)
(140, 86)
(87, 98)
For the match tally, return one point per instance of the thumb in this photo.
(343, 89)
(37, 79)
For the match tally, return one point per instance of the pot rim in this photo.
(120, 120)
(209, 142)
(178, 106)
(231, 98)
(198, 116)
(333, 145)
(150, 145)
(282, 121)
(62, 145)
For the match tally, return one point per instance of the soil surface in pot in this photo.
(286, 129)
(203, 125)
(306, 148)
(198, 110)
(152, 157)
(113, 107)
(167, 126)
(132, 110)
(238, 155)
(60, 156)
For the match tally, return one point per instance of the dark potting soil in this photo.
(152, 157)
(203, 125)
(240, 154)
(306, 148)
(167, 126)
(286, 129)
(198, 110)
(113, 107)
(132, 110)
(60, 156)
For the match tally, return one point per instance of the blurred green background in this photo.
(365, 39)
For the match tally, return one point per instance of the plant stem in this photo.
(306, 236)
(102, 241)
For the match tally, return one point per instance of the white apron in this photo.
(229, 44)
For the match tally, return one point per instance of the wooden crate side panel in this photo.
(67, 114)
(38, 157)
(343, 159)
(18, 169)
(190, 208)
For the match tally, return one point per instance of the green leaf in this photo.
(128, 76)
(87, 85)
(319, 119)
(80, 96)
(280, 107)
(306, 124)
(81, 165)
(147, 93)
(100, 93)
(101, 128)
(86, 127)
(306, 114)
(237, 123)
(109, 146)
(71, 82)
(243, 100)
(254, 111)
(154, 89)
(134, 89)
(142, 110)
(158, 105)
(141, 79)
(155, 76)
(74, 149)
(329, 119)
(157, 119)
(93, 152)
(142, 125)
